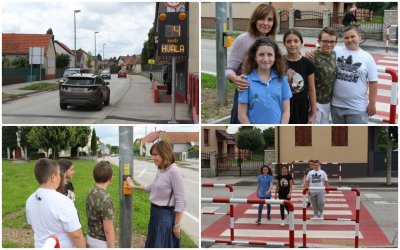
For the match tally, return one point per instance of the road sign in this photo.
(173, 34)
(150, 61)
(175, 6)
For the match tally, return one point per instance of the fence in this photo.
(388, 35)
(357, 219)
(240, 163)
(19, 75)
(308, 19)
(193, 96)
(327, 168)
(287, 203)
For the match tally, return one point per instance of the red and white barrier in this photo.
(230, 213)
(288, 203)
(357, 219)
(388, 36)
(339, 174)
(52, 242)
(393, 97)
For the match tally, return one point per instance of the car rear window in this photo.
(70, 72)
(79, 81)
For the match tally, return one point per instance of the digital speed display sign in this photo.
(173, 34)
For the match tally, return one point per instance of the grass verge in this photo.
(45, 86)
(19, 182)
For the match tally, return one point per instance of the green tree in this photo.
(9, 137)
(149, 47)
(57, 138)
(25, 130)
(62, 61)
(89, 60)
(251, 139)
(49, 31)
(6, 63)
(81, 139)
(375, 6)
(269, 137)
(93, 143)
(114, 149)
(20, 62)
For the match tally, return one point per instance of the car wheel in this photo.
(107, 102)
(63, 106)
(100, 103)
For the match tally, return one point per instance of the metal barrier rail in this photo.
(393, 96)
(388, 36)
(357, 219)
(339, 174)
(288, 203)
(230, 213)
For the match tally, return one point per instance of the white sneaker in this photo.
(283, 223)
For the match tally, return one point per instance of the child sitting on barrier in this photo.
(284, 187)
(317, 178)
(264, 190)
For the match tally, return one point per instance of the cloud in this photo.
(122, 26)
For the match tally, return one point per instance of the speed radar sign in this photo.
(175, 6)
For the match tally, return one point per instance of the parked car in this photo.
(122, 73)
(105, 74)
(69, 72)
(84, 89)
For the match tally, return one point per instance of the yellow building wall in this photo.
(212, 139)
(322, 149)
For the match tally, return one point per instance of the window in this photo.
(340, 136)
(205, 136)
(303, 136)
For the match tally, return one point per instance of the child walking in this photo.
(283, 190)
(264, 190)
(266, 101)
(317, 178)
(356, 88)
(301, 80)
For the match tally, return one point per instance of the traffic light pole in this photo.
(220, 14)
(389, 159)
(125, 196)
(173, 105)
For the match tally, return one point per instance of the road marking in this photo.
(209, 209)
(326, 199)
(192, 217)
(373, 196)
(326, 205)
(381, 61)
(296, 221)
(309, 212)
(191, 181)
(141, 173)
(311, 234)
(384, 203)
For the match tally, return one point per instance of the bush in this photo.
(36, 155)
(82, 154)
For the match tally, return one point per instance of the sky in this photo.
(122, 26)
(109, 134)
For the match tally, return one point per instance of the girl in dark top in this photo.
(283, 190)
(66, 172)
(303, 104)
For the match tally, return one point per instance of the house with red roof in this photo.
(181, 141)
(131, 64)
(61, 48)
(17, 45)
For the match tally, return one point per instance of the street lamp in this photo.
(103, 55)
(95, 56)
(75, 11)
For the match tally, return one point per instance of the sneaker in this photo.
(308, 204)
(258, 222)
(283, 223)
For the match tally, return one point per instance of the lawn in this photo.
(42, 86)
(19, 182)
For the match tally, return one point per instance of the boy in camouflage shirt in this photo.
(325, 73)
(100, 209)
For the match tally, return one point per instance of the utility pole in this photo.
(125, 195)
(389, 159)
(221, 27)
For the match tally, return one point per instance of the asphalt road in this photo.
(44, 108)
(144, 173)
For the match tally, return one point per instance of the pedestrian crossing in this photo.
(320, 233)
(384, 84)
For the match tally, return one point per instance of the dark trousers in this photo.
(234, 111)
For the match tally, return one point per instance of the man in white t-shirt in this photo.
(50, 212)
(317, 178)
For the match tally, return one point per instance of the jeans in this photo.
(260, 207)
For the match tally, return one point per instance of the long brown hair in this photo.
(260, 12)
(164, 149)
(250, 63)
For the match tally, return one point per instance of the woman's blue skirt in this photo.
(160, 233)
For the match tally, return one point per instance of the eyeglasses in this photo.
(329, 41)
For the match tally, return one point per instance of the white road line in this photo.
(196, 219)
(189, 180)
(209, 209)
(142, 173)
(343, 205)
(391, 57)
(311, 234)
(384, 203)
(372, 196)
(309, 212)
(381, 61)
(296, 221)
(326, 195)
(326, 199)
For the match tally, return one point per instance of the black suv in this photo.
(84, 89)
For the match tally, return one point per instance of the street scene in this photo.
(129, 150)
(360, 205)
(86, 69)
(309, 20)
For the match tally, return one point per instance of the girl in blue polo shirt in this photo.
(267, 100)
(264, 190)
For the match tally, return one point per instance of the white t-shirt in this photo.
(355, 69)
(51, 213)
(316, 179)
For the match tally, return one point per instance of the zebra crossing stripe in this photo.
(299, 212)
(312, 234)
